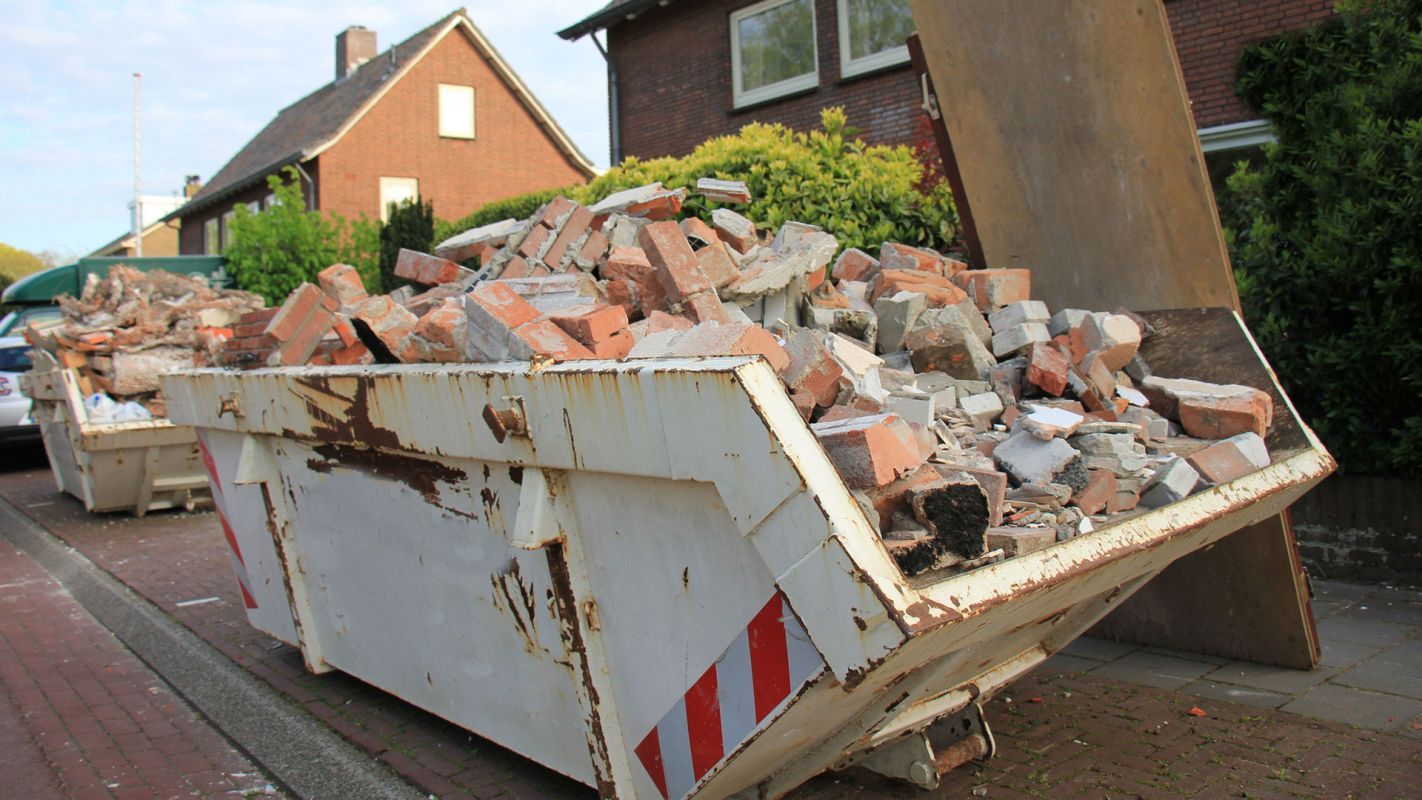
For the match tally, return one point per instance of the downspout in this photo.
(310, 186)
(612, 104)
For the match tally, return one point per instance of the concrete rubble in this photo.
(972, 422)
(129, 327)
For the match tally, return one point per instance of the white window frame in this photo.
(455, 93)
(269, 201)
(850, 66)
(227, 218)
(413, 183)
(212, 236)
(1236, 136)
(799, 83)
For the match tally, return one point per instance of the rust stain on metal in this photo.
(422, 475)
(348, 419)
(523, 608)
(515, 474)
(565, 602)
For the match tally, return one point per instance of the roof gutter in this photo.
(609, 16)
(199, 203)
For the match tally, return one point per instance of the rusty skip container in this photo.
(647, 575)
(137, 466)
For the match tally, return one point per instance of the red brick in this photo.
(677, 267)
(1047, 369)
(618, 345)
(1100, 489)
(390, 322)
(504, 303)
(869, 451)
(357, 353)
(992, 289)
(811, 369)
(716, 262)
(299, 306)
(543, 338)
(939, 290)
(854, 265)
(903, 257)
(573, 230)
(557, 208)
(696, 228)
(426, 269)
(706, 307)
(1222, 417)
(516, 267)
(342, 283)
(532, 244)
(443, 329)
(742, 339)
(594, 248)
(593, 325)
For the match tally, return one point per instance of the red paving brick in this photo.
(1090, 737)
(84, 718)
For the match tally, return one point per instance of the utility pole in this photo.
(137, 168)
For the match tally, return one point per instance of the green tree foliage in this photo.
(411, 225)
(865, 195)
(16, 264)
(1326, 233)
(279, 248)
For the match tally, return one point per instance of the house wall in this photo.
(1209, 36)
(674, 75)
(674, 67)
(190, 233)
(509, 155)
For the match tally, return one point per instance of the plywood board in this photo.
(1071, 129)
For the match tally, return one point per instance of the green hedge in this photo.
(865, 195)
(1326, 233)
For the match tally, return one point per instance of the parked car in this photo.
(15, 421)
(16, 320)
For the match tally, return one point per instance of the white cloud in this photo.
(213, 75)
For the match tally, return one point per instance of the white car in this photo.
(15, 420)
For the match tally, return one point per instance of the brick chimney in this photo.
(192, 184)
(354, 46)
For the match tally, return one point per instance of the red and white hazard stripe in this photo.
(765, 665)
(238, 565)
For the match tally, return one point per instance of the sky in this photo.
(214, 73)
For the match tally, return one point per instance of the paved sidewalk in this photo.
(1062, 734)
(81, 717)
(1371, 672)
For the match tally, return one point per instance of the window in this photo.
(773, 51)
(211, 244)
(270, 200)
(394, 191)
(456, 111)
(1227, 145)
(255, 207)
(227, 229)
(872, 35)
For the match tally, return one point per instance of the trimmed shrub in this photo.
(279, 248)
(864, 194)
(1326, 233)
(411, 226)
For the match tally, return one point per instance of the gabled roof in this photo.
(610, 14)
(306, 128)
(125, 239)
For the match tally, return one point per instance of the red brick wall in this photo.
(1209, 36)
(674, 66)
(400, 138)
(674, 75)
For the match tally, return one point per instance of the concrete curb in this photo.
(296, 748)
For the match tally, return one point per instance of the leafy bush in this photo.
(865, 195)
(274, 251)
(1326, 233)
(411, 226)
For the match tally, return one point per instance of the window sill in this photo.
(457, 137)
(770, 101)
(872, 71)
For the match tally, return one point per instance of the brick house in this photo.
(440, 116)
(681, 72)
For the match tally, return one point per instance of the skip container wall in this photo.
(653, 580)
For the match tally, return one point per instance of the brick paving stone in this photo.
(1091, 737)
(67, 735)
(1356, 706)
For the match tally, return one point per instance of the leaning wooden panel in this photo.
(1072, 130)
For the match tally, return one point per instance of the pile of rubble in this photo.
(971, 422)
(127, 328)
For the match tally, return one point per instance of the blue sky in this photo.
(213, 74)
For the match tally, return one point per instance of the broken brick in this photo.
(855, 265)
(342, 282)
(543, 338)
(992, 289)
(592, 325)
(428, 270)
(677, 267)
(869, 451)
(1047, 369)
